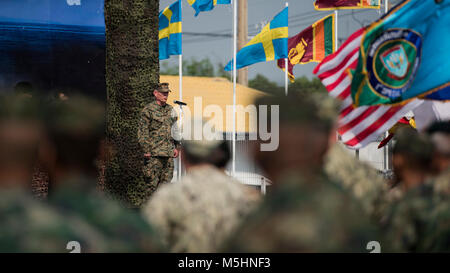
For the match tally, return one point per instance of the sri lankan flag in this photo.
(346, 4)
(313, 44)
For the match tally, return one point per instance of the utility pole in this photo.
(242, 37)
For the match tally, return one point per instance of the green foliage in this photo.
(168, 70)
(202, 67)
(302, 84)
(205, 68)
(262, 83)
(194, 67)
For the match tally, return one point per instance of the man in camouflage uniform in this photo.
(155, 138)
(199, 212)
(439, 133)
(75, 128)
(27, 225)
(363, 181)
(408, 224)
(306, 211)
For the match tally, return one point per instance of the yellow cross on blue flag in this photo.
(206, 5)
(270, 44)
(170, 31)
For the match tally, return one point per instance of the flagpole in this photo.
(286, 63)
(386, 147)
(233, 168)
(180, 75)
(336, 41)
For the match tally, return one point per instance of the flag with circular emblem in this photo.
(404, 55)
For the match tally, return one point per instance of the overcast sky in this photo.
(219, 21)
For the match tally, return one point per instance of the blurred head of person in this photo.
(306, 131)
(161, 93)
(75, 131)
(412, 156)
(439, 133)
(21, 134)
(24, 89)
(209, 149)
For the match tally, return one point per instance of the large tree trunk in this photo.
(132, 72)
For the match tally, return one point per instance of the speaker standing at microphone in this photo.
(158, 146)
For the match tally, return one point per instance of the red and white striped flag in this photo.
(362, 125)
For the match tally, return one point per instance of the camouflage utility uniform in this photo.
(125, 230)
(199, 212)
(360, 179)
(155, 137)
(408, 223)
(304, 216)
(29, 226)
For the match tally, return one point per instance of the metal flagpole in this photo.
(336, 40)
(235, 3)
(286, 66)
(386, 147)
(336, 30)
(180, 75)
(180, 119)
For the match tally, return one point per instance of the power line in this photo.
(300, 22)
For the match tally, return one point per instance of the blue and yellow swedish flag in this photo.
(206, 5)
(270, 44)
(170, 31)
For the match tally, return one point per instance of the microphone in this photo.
(180, 103)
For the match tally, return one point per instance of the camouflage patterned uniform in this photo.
(407, 225)
(125, 229)
(363, 181)
(199, 212)
(305, 216)
(442, 183)
(28, 226)
(155, 137)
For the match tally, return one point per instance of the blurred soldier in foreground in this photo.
(76, 128)
(197, 213)
(155, 138)
(440, 136)
(362, 180)
(438, 229)
(27, 225)
(306, 211)
(407, 224)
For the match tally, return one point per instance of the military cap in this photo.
(206, 144)
(163, 87)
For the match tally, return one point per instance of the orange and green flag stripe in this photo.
(313, 44)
